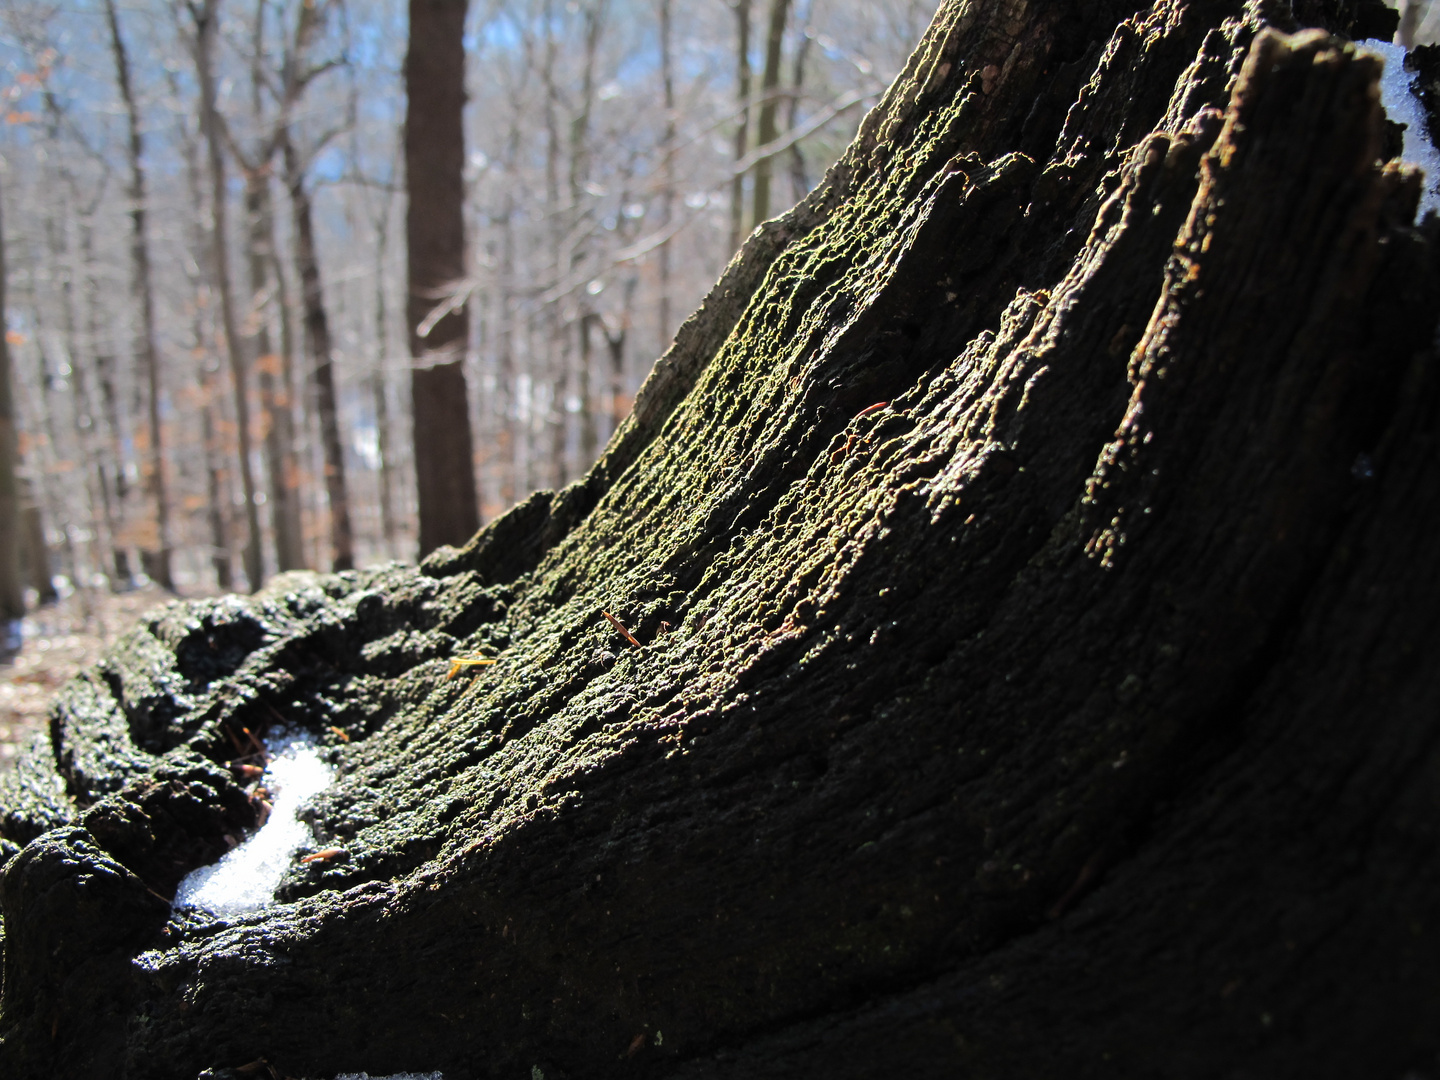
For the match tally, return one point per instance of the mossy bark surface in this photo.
(1030, 544)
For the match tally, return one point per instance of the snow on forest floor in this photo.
(61, 639)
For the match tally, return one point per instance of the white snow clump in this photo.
(245, 877)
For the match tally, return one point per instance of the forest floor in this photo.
(60, 640)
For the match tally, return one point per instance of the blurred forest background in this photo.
(176, 169)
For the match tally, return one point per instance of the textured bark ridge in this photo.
(1031, 547)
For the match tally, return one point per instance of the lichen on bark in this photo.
(1027, 541)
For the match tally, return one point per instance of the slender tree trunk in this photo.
(207, 18)
(742, 126)
(204, 348)
(318, 344)
(298, 410)
(667, 172)
(43, 501)
(615, 345)
(102, 448)
(799, 173)
(217, 514)
(580, 157)
(12, 597)
(589, 432)
(88, 428)
(550, 319)
(37, 549)
(435, 243)
(379, 382)
(505, 408)
(769, 104)
(283, 468)
(146, 349)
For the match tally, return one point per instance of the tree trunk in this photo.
(589, 432)
(385, 452)
(35, 555)
(667, 174)
(1026, 562)
(799, 174)
(742, 127)
(769, 104)
(158, 561)
(12, 596)
(435, 239)
(379, 382)
(289, 387)
(283, 466)
(207, 24)
(317, 341)
(114, 469)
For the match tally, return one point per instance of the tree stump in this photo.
(1031, 550)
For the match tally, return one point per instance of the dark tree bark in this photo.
(435, 239)
(1029, 553)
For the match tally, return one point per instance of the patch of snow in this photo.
(1403, 107)
(245, 878)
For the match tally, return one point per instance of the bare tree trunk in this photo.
(505, 409)
(615, 344)
(12, 597)
(317, 342)
(580, 158)
(101, 452)
(113, 471)
(88, 429)
(207, 372)
(589, 432)
(742, 127)
(43, 500)
(799, 174)
(217, 514)
(290, 388)
(550, 318)
(36, 562)
(769, 87)
(379, 383)
(435, 240)
(206, 17)
(667, 173)
(278, 409)
(159, 560)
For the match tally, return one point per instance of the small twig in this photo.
(621, 627)
(259, 746)
(460, 663)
